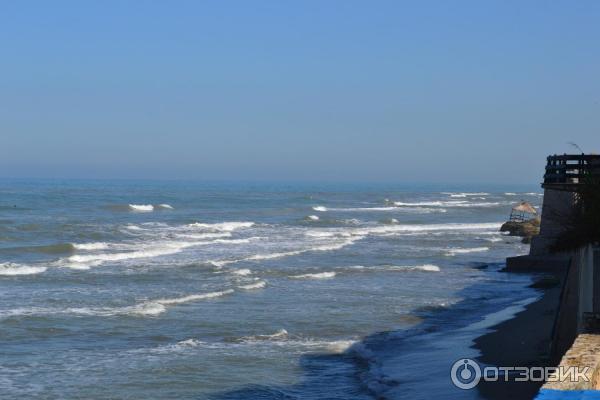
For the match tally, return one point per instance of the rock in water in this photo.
(525, 229)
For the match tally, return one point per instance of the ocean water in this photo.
(179, 290)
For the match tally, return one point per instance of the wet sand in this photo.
(523, 341)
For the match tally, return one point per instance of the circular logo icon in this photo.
(465, 373)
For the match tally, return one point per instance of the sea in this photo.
(129, 289)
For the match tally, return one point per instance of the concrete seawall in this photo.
(575, 338)
(580, 299)
(557, 208)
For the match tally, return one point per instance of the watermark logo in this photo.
(467, 373)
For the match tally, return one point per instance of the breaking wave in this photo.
(91, 260)
(427, 228)
(222, 226)
(242, 272)
(494, 239)
(426, 268)
(281, 339)
(90, 246)
(455, 251)
(270, 256)
(148, 308)
(12, 269)
(141, 207)
(465, 194)
(319, 275)
(192, 297)
(383, 268)
(280, 334)
(253, 286)
(451, 203)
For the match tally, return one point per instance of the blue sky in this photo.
(398, 91)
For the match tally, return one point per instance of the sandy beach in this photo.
(523, 341)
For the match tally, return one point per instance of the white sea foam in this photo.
(451, 203)
(167, 206)
(422, 210)
(151, 250)
(155, 307)
(400, 268)
(320, 234)
(427, 228)
(281, 334)
(90, 246)
(455, 251)
(201, 236)
(233, 241)
(13, 269)
(494, 239)
(133, 227)
(320, 208)
(338, 346)
(148, 308)
(397, 208)
(466, 194)
(242, 272)
(223, 226)
(253, 286)
(319, 275)
(144, 309)
(426, 267)
(271, 256)
(79, 266)
(280, 339)
(349, 209)
(352, 235)
(510, 194)
(190, 343)
(313, 217)
(141, 207)
(192, 297)
(81, 261)
(437, 203)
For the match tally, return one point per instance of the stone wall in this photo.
(585, 352)
(556, 208)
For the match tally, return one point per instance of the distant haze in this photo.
(432, 91)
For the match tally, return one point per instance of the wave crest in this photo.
(318, 275)
(12, 269)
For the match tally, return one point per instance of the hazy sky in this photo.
(435, 91)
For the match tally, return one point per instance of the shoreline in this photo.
(521, 341)
(443, 336)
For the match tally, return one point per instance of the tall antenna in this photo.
(576, 146)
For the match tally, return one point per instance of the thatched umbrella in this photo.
(522, 212)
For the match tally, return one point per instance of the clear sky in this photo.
(434, 91)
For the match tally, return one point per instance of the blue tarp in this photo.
(547, 394)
